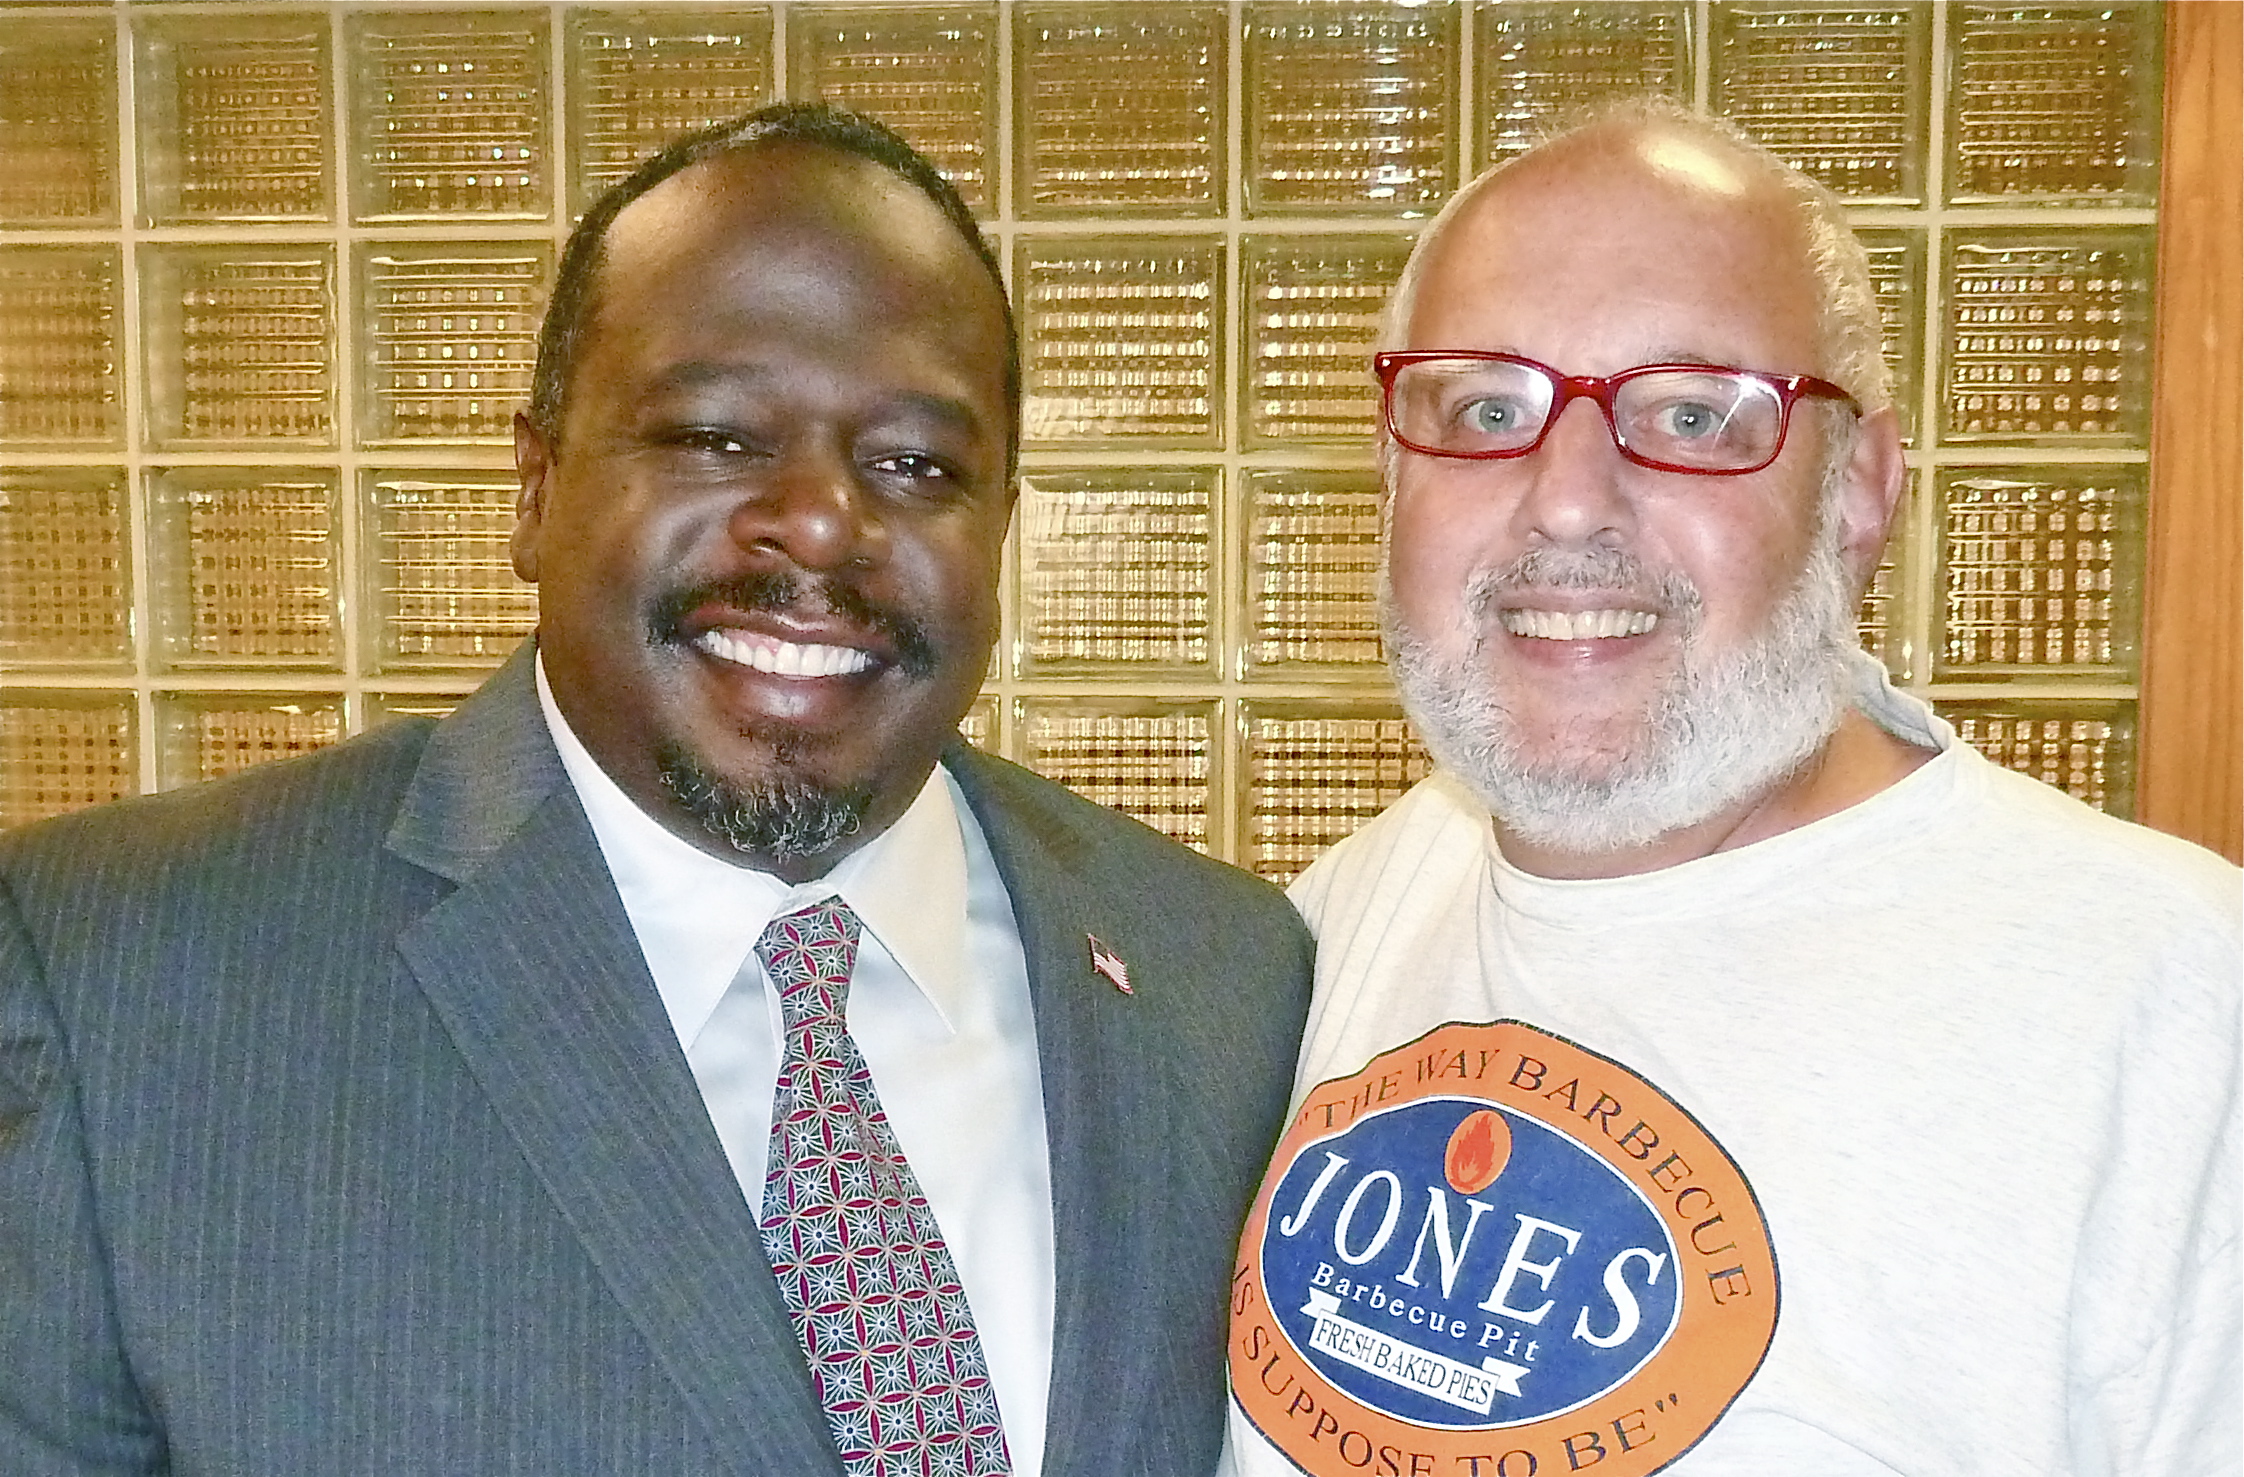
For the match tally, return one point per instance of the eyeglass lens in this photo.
(1703, 420)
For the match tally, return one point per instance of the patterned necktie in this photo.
(875, 1298)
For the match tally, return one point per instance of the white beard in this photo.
(1729, 725)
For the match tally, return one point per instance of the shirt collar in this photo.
(697, 916)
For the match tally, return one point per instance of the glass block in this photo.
(979, 726)
(387, 707)
(60, 348)
(63, 751)
(449, 115)
(444, 589)
(1350, 107)
(58, 120)
(2040, 567)
(246, 563)
(233, 125)
(1313, 309)
(1838, 91)
(1897, 272)
(2048, 337)
(2084, 747)
(205, 736)
(240, 343)
(1124, 338)
(65, 583)
(1153, 760)
(450, 337)
(1117, 567)
(2055, 102)
(638, 78)
(1315, 772)
(1313, 568)
(929, 73)
(1120, 109)
(1538, 62)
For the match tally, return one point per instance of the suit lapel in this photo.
(1105, 1095)
(534, 970)
(533, 967)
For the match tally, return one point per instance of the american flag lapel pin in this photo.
(1105, 961)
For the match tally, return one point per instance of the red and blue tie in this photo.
(876, 1299)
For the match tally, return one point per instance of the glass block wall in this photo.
(268, 290)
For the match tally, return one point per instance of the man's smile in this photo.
(770, 654)
(1578, 625)
(786, 625)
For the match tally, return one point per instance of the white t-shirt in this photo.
(1974, 1047)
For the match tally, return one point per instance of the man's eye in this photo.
(1492, 416)
(712, 440)
(1688, 419)
(915, 465)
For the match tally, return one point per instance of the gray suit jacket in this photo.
(342, 1131)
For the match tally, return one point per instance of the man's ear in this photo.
(533, 473)
(1870, 493)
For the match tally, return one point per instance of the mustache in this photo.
(1615, 570)
(778, 592)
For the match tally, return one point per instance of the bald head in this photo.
(1646, 160)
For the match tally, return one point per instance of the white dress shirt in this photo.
(938, 1004)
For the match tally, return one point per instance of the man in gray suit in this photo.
(409, 1108)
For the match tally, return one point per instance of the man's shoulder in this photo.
(2041, 836)
(1219, 943)
(1437, 827)
(1100, 846)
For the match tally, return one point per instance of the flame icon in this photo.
(1478, 1151)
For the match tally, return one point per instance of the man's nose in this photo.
(1575, 495)
(811, 508)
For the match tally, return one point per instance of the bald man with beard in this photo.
(1717, 1065)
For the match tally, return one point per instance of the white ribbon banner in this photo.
(1466, 1386)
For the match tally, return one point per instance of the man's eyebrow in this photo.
(699, 374)
(945, 408)
(1650, 356)
(695, 374)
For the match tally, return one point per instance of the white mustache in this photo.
(1669, 593)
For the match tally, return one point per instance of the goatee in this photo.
(783, 819)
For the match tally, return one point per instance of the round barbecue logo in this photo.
(1494, 1251)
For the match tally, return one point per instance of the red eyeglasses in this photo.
(1702, 419)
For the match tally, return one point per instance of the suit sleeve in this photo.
(68, 1400)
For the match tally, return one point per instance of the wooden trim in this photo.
(2190, 775)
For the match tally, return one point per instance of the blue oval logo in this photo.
(1463, 1266)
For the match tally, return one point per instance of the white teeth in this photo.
(783, 658)
(1578, 625)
